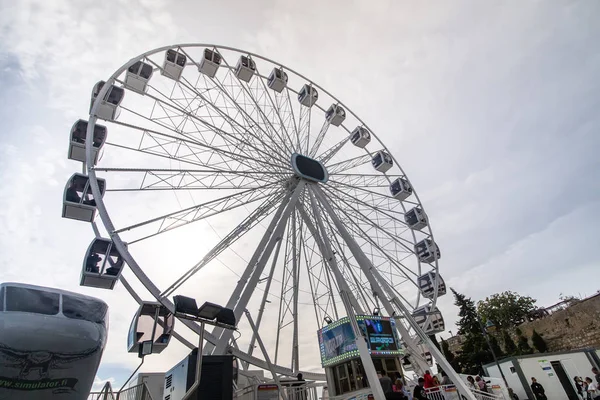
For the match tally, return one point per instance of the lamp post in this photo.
(206, 314)
(489, 325)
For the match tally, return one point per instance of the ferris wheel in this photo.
(217, 172)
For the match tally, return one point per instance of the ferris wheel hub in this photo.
(309, 168)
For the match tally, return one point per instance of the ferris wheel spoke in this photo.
(332, 151)
(363, 193)
(304, 128)
(276, 110)
(349, 164)
(356, 229)
(255, 217)
(356, 213)
(372, 208)
(202, 100)
(364, 180)
(184, 179)
(199, 212)
(237, 96)
(168, 106)
(286, 117)
(297, 147)
(187, 150)
(319, 139)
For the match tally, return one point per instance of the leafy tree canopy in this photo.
(506, 309)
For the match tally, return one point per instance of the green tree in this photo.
(538, 342)
(510, 348)
(449, 355)
(474, 349)
(523, 346)
(506, 309)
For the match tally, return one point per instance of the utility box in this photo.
(554, 371)
(155, 382)
(216, 382)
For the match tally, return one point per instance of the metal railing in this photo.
(449, 392)
(138, 392)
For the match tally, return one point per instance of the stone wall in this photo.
(576, 327)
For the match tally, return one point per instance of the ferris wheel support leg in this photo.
(264, 299)
(374, 279)
(346, 295)
(369, 272)
(265, 353)
(256, 269)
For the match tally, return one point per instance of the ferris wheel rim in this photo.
(103, 212)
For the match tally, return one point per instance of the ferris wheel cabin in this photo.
(434, 325)
(416, 218)
(335, 115)
(382, 161)
(277, 80)
(427, 282)
(427, 251)
(173, 65)
(78, 200)
(52, 341)
(102, 265)
(245, 68)
(401, 189)
(152, 324)
(360, 137)
(209, 65)
(108, 109)
(77, 141)
(137, 76)
(308, 95)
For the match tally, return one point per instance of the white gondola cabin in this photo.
(78, 200)
(151, 323)
(137, 76)
(360, 137)
(211, 60)
(102, 265)
(427, 251)
(335, 115)
(435, 324)
(400, 188)
(245, 68)
(77, 141)
(308, 96)
(428, 358)
(108, 109)
(427, 283)
(277, 80)
(382, 161)
(174, 64)
(416, 218)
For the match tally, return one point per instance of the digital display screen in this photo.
(337, 341)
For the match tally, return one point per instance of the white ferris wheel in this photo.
(216, 170)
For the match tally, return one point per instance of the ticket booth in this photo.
(340, 358)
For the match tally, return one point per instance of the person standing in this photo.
(386, 383)
(538, 390)
(419, 392)
(593, 392)
(596, 375)
(428, 379)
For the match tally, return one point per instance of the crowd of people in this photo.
(394, 386)
(588, 388)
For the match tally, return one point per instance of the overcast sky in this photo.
(491, 108)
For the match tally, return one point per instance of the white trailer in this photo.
(554, 371)
(155, 382)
